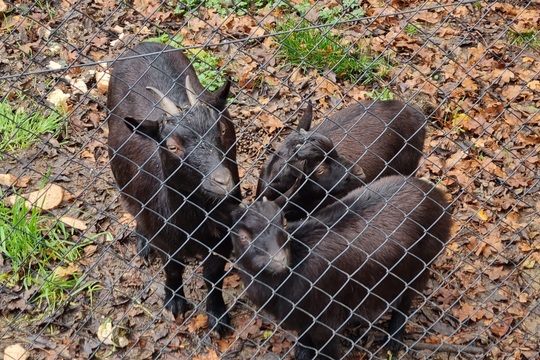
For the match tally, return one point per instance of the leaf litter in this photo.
(479, 90)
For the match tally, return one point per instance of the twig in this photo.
(470, 349)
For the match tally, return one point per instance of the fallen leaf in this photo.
(109, 335)
(67, 272)
(48, 198)
(501, 328)
(210, 355)
(482, 214)
(90, 250)
(7, 180)
(15, 352)
(74, 223)
(58, 98)
(78, 86)
(198, 322)
(102, 81)
(3, 7)
(271, 122)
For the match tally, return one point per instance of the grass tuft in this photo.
(319, 49)
(20, 128)
(520, 38)
(42, 255)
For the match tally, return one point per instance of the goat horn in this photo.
(305, 122)
(165, 103)
(192, 98)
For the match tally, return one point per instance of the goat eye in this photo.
(172, 148)
(284, 224)
(320, 171)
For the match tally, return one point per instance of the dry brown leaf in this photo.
(74, 223)
(490, 244)
(7, 180)
(210, 355)
(90, 250)
(15, 352)
(197, 322)
(270, 122)
(464, 312)
(48, 198)
(68, 271)
(102, 81)
(501, 328)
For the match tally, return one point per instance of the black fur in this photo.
(352, 261)
(357, 145)
(177, 172)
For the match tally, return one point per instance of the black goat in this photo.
(352, 261)
(175, 165)
(357, 145)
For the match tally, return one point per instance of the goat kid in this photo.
(356, 146)
(352, 261)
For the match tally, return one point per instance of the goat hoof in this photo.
(177, 305)
(221, 326)
(144, 249)
(394, 346)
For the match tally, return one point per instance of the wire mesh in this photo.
(76, 280)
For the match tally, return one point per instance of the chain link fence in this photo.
(76, 280)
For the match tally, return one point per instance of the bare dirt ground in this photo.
(479, 88)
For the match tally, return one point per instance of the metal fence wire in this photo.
(163, 195)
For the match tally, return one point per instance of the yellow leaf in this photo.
(66, 272)
(482, 214)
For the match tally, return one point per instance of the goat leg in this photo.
(213, 273)
(396, 326)
(175, 300)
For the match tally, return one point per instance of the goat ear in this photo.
(358, 171)
(353, 168)
(149, 128)
(221, 95)
(305, 122)
(282, 199)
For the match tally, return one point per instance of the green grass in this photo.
(316, 48)
(38, 247)
(384, 94)
(239, 7)
(411, 29)
(529, 37)
(21, 127)
(206, 64)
